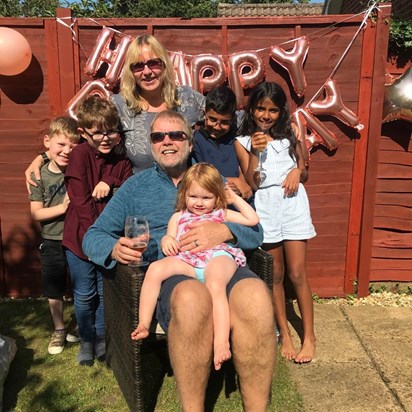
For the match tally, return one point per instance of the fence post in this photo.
(63, 71)
(375, 101)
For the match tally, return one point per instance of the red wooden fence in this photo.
(342, 204)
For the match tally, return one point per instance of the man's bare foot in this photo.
(221, 354)
(307, 352)
(140, 332)
(286, 348)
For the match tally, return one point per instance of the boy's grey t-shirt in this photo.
(51, 191)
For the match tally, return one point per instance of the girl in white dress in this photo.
(281, 204)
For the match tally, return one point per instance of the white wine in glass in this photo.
(260, 167)
(137, 228)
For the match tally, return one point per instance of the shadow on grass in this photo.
(225, 379)
(17, 378)
(30, 313)
(156, 367)
(28, 321)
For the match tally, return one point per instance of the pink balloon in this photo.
(303, 137)
(178, 60)
(320, 134)
(204, 64)
(238, 79)
(113, 57)
(293, 61)
(333, 105)
(90, 88)
(15, 52)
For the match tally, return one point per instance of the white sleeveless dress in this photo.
(282, 217)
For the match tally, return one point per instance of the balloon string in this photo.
(70, 27)
(103, 25)
(344, 54)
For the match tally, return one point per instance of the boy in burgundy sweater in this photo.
(97, 167)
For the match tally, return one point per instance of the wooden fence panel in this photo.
(391, 258)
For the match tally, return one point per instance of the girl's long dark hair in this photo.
(282, 129)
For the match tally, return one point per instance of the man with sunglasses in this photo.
(184, 308)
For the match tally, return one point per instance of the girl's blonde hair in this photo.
(128, 87)
(208, 178)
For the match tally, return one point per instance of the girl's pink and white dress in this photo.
(200, 259)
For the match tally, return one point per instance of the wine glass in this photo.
(137, 228)
(260, 167)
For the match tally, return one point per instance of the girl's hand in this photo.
(241, 188)
(169, 246)
(101, 191)
(259, 141)
(233, 186)
(230, 194)
(291, 183)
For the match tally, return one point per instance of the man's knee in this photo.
(190, 303)
(251, 299)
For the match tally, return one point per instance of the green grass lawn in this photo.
(38, 381)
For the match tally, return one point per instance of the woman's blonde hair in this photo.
(208, 178)
(128, 87)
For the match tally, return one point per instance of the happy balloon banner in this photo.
(242, 70)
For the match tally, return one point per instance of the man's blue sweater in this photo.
(150, 193)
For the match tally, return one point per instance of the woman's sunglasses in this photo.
(152, 64)
(176, 136)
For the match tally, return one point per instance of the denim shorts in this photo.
(163, 303)
(53, 269)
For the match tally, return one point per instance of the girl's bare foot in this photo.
(221, 354)
(286, 347)
(307, 352)
(140, 332)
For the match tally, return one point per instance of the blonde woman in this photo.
(148, 86)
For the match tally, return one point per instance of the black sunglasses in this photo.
(175, 136)
(152, 64)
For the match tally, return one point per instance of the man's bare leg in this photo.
(253, 341)
(190, 342)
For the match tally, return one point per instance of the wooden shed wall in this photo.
(336, 180)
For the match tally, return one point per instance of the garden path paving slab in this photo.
(348, 375)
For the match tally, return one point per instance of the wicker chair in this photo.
(140, 367)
